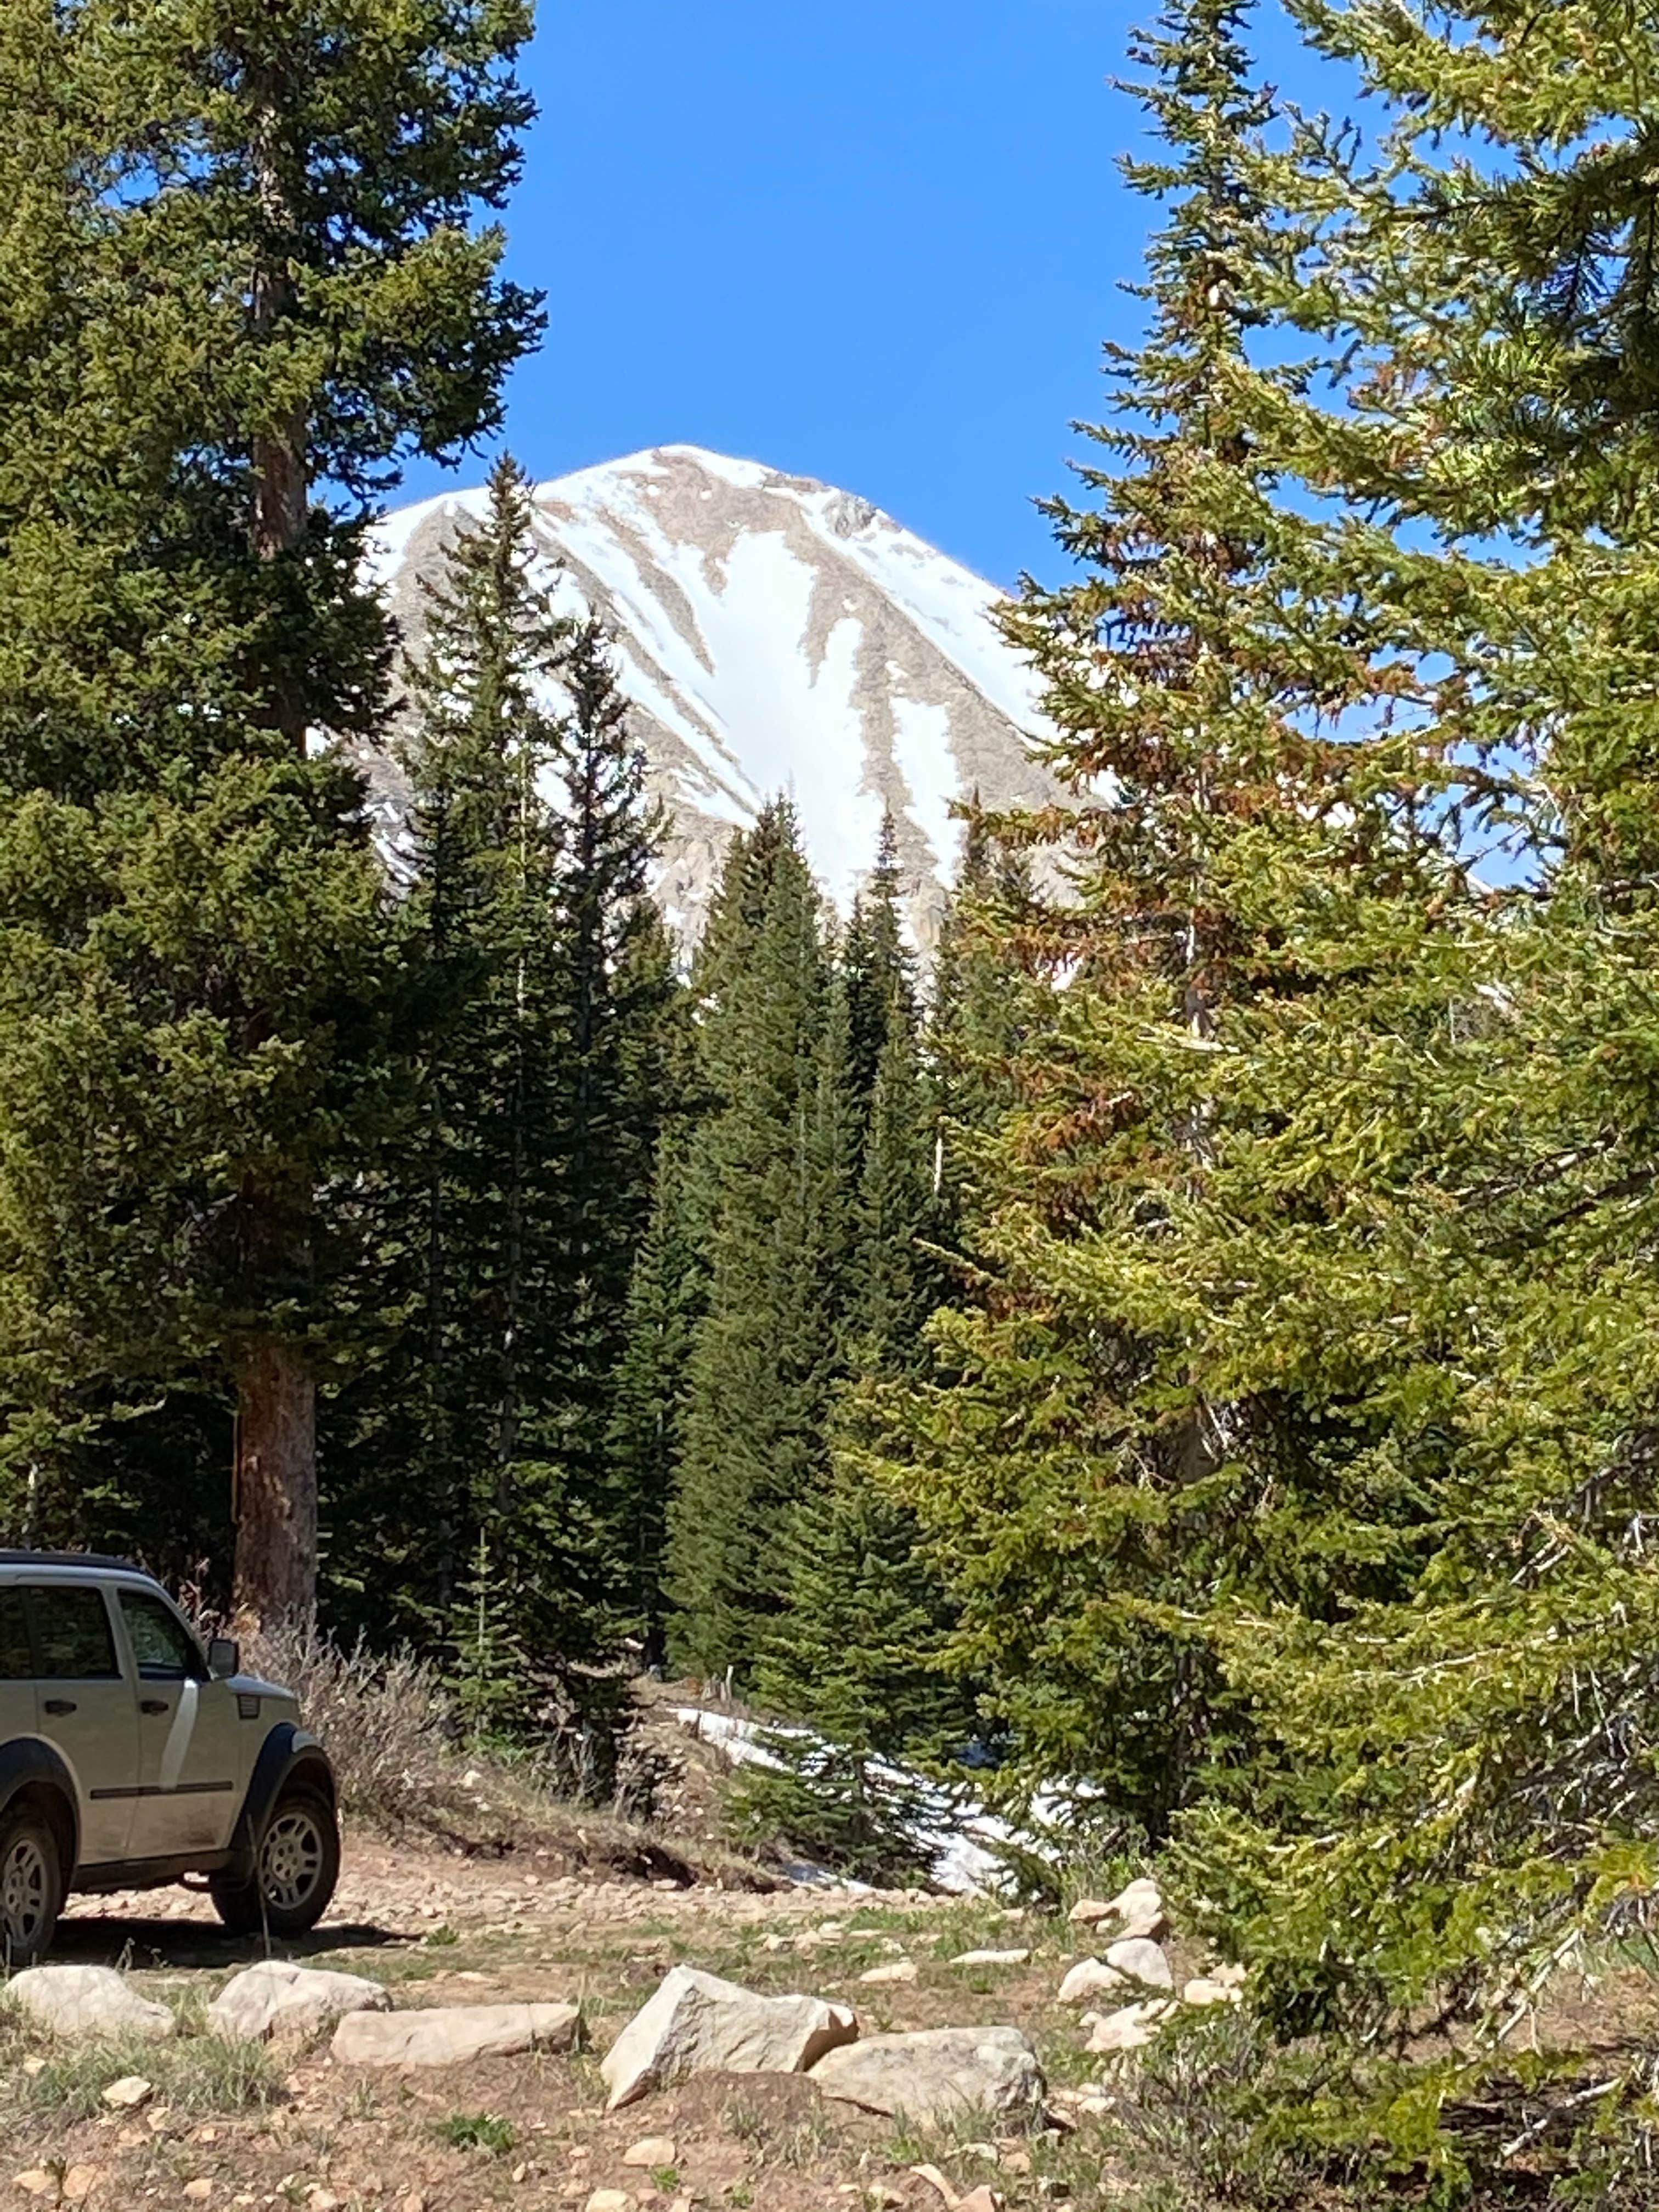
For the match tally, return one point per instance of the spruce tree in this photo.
(1093, 1481)
(766, 1177)
(612, 1095)
(316, 302)
(1486, 1730)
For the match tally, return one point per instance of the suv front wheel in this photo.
(298, 1865)
(31, 1887)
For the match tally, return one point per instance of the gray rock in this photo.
(449, 2035)
(1090, 1977)
(1131, 2027)
(991, 1959)
(1138, 1959)
(276, 1998)
(1136, 1910)
(697, 2024)
(86, 2003)
(936, 2074)
(1209, 1989)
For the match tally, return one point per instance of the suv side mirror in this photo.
(224, 1657)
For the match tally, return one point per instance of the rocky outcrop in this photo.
(936, 2075)
(696, 2023)
(449, 2035)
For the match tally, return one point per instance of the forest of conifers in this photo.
(1198, 1337)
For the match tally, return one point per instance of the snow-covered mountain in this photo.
(773, 635)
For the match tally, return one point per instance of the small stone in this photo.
(321, 2200)
(413, 2203)
(127, 2094)
(935, 2179)
(1137, 1910)
(1015, 2161)
(983, 2199)
(651, 2151)
(1130, 2028)
(198, 2191)
(902, 1970)
(35, 2065)
(79, 2182)
(1090, 1977)
(35, 2183)
(610, 2200)
(1205, 1989)
(991, 1959)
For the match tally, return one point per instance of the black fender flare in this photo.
(29, 1762)
(288, 1752)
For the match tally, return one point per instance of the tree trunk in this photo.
(276, 1474)
(276, 1578)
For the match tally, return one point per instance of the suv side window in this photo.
(163, 1650)
(71, 1631)
(16, 1659)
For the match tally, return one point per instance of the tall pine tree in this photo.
(314, 301)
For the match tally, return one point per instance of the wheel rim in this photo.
(291, 1863)
(25, 1883)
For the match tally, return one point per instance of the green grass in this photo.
(193, 2074)
(485, 2131)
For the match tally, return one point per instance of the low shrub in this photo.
(388, 1723)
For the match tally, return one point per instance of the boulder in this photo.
(1090, 1977)
(1131, 2027)
(86, 2003)
(697, 2024)
(1141, 1961)
(449, 2035)
(277, 1998)
(936, 2075)
(1136, 1910)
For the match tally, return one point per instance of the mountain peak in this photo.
(774, 634)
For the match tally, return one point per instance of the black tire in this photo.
(297, 1865)
(31, 1887)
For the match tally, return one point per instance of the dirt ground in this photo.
(294, 2128)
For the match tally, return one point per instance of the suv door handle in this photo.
(154, 1705)
(59, 1704)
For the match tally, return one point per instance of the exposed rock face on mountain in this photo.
(773, 635)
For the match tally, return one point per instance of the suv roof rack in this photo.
(101, 1561)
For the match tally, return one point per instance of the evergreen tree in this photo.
(204, 980)
(474, 1189)
(613, 1095)
(767, 1178)
(1486, 1730)
(1093, 1481)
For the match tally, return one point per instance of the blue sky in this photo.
(877, 242)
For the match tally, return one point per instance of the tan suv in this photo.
(131, 1756)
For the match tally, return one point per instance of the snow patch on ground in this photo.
(960, 1835)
